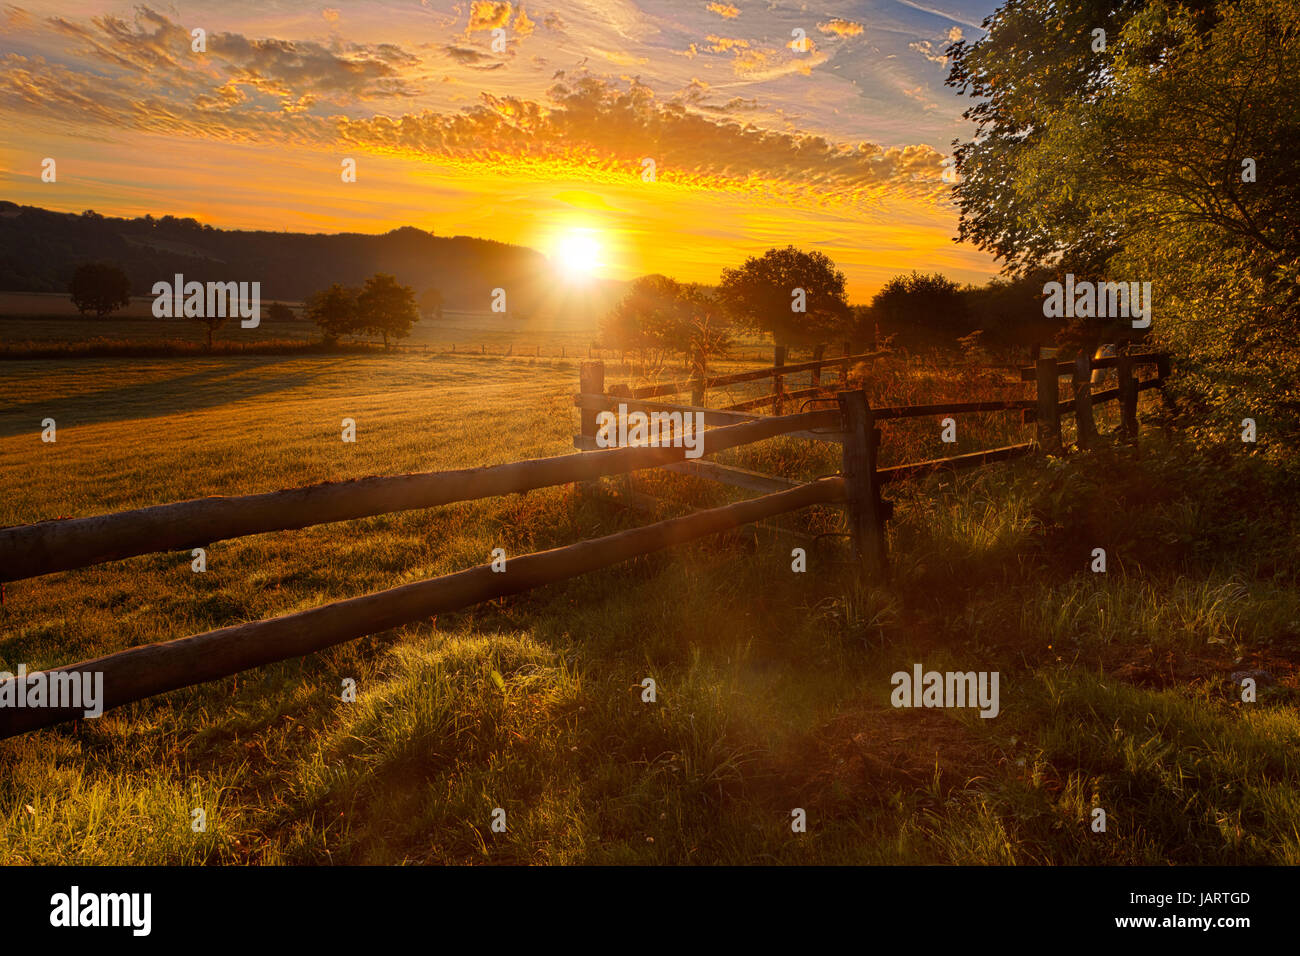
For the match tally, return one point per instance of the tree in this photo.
(386, 307)
(1171, 157)
(431, 304)
(99, 287)
(279, 312)
(659, 316)
(334, 310)
(212, 323)
(920, 310)
(763, 295)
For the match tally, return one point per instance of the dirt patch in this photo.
(870, 751)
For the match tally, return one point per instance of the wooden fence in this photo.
(867, 511)
(137, 673)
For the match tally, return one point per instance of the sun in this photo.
(577, 253)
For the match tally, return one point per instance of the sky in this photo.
(620, 137)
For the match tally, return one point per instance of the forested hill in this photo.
(39, 250)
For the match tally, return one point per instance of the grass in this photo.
(772, 687)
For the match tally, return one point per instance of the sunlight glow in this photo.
(577, 254)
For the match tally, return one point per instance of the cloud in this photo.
(602, 131)
(139, 75)
(487, 15)
(724, 10)
(473, 58)
(841, 27)
(155, 53)
(927, 50)
(724, 44)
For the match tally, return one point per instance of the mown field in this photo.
(773, 687)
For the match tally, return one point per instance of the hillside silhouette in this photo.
(39, 249)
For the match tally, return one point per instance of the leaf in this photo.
(499, 680)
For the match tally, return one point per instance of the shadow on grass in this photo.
(230, 380)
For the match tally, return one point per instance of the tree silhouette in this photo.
(761, 294)
(386, 307)
(99, 287)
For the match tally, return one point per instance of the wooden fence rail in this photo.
(35, 549)
(736, 378)
(152, 669)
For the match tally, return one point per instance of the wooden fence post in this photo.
(1049, 413)
(1085, 426)
(1128, 398)
(818, 354)
(698, 367)
(866, 511)
(844, 365)
(778, 380)
(591, 381)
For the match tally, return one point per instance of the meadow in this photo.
(773, 687)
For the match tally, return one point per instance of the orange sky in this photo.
(525, 145)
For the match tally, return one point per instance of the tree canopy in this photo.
(797, 296)
(1172, 156)
(99, 287)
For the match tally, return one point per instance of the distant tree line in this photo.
(798, 298)
(382, 306)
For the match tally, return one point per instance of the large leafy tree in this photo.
(1173, 156)
(334, 310)
(761, 294)
(99, 287)
(386, 307)
(917, 310)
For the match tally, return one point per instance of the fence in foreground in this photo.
(140, 672)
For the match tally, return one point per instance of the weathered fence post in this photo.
(1128, 398)
(1085, 426)
(698, 367)
(1049, 412)
(844, 365)
(778, 380)
(591, 381)
(818, 354)
(866, 511)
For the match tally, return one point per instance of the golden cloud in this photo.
(488, 15)
(841, 27)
